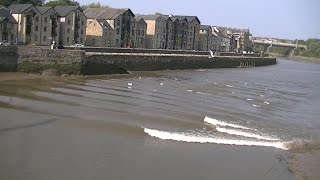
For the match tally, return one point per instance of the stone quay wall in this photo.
(88, 62)
(153, 63)
(8, 58)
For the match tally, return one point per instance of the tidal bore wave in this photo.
(237, 130)
(178, 136)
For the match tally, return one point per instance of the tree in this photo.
(34, 2)
(158, 13)
(94, 5)
(62, 3)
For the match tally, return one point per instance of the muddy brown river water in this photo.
(244, 123)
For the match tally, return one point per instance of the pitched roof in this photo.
(43, 9)
(65, 10)
(166, 17)
(5, 14)
(104, 13)
(104, 24)
(138, 19)
(204, 27)
(19, 8)
(233, 30)
(189, 18)
(174, 19)
(149, 17)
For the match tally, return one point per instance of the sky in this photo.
(289, 19)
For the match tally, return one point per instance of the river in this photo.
(242, 123)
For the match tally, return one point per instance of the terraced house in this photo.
(179, 33)
(28, 18)
(8, 26)
(169, 31)
(192, 32)
(49, 26)
(156, 31)
(120, 20)
(99, 33)
(140, 32)
(205, 38)
(72, 25)
(241, 38)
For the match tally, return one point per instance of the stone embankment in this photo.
(88, 61)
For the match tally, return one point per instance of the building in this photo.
(205, 38)
(241, 38)
(8, 26)
(99, 33)
(49, 27)
(179, 33)
(72, 25)
(122, 22)
(193, 29)
(216, 40)
(28, 18)
(156, 31)
(169, 31)
(141, 29)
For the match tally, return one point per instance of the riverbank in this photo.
(93, 61)
(312, 59)
(298, 58)
(13, 76)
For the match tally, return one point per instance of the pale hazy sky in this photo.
(273, 18)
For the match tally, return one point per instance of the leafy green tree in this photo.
(313, 49)
(62, 3)
(34, 2)
(94, 5)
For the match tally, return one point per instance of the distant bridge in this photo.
(271, 43)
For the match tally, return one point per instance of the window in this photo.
(82, 23)
(117, 41)
(118, 31)
(133, 24)
(35, 38)
(69, 21)
(142, 32)
(37, 28)
(37, 19)
(45, 29)
(81, 39)
(44, 38)
(45, 19)
(132, 32)
(67, 39)
(81, 31)
(138, 32)
(118, 22)
(68, 30)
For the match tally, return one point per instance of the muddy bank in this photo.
(5, 76)
(305, 165)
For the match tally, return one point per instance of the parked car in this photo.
(77, 45)
(4, 43)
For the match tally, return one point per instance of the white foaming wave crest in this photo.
(201, 93)
(166, 135)
(245, 134)
(221, 123)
